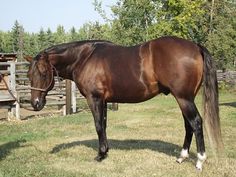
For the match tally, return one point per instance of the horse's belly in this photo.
(132, 93)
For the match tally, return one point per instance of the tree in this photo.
(73, 34)
(31, 44)
(17, 39)
(137, 21)
(132, 18)
(49, 38)
(180, 18)
(6, 42)
(42, 39)
(60, 35)
(94, 31)
(222, 33)
(15, 36)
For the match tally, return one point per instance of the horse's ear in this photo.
(28, 58)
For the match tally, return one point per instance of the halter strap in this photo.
(38, 89)
(47, 88)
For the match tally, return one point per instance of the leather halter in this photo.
(52, 76)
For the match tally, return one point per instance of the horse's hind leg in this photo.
(99, 111)
(187, 141)
(193, 123)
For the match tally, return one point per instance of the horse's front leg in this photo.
(99, 109)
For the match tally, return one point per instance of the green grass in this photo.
(144, 140)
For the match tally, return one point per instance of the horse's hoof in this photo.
(199, 169)
(199, 166)
(183, 156)
(200, 161)
(100, 157)
(180, 160)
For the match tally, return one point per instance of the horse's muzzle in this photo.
(38, 104)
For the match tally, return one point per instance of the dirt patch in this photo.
(25, 114)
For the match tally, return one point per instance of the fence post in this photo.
(68, 97)
(73, 90)
(114, 107)
(12, 83)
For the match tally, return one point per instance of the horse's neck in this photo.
(62, 65)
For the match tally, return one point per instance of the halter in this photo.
(47, 88)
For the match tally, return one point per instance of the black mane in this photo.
(60, 48)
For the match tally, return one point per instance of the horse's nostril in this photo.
(35, 103)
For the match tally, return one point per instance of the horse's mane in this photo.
(60, 48)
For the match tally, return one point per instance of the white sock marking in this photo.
(183, 155)
(200, 161)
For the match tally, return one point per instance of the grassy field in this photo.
(144, 139)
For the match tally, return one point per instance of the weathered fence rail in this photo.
(226, 76)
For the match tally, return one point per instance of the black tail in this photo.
(211, 101)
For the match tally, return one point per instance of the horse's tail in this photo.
(211, 101)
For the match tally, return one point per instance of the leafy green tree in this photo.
(179, 18)
(137, 21)
(222, 33)
(132, 18)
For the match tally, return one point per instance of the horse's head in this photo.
(41, 76)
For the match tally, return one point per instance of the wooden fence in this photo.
(16, 77)
(228, 77)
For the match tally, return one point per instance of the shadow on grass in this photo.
(155, 145)
(232, 104)
(5, 149)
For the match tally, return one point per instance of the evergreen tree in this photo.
(49, 38)
(15, 36)
(42, 39)
(6, 42)
(73, 35)
(60, 35)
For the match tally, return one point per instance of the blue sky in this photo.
(34, 14)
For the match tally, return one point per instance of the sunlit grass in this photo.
(144, 140)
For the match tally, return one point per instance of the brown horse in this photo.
(105, 72)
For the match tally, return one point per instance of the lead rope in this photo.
(12, 95)
(58, 79)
